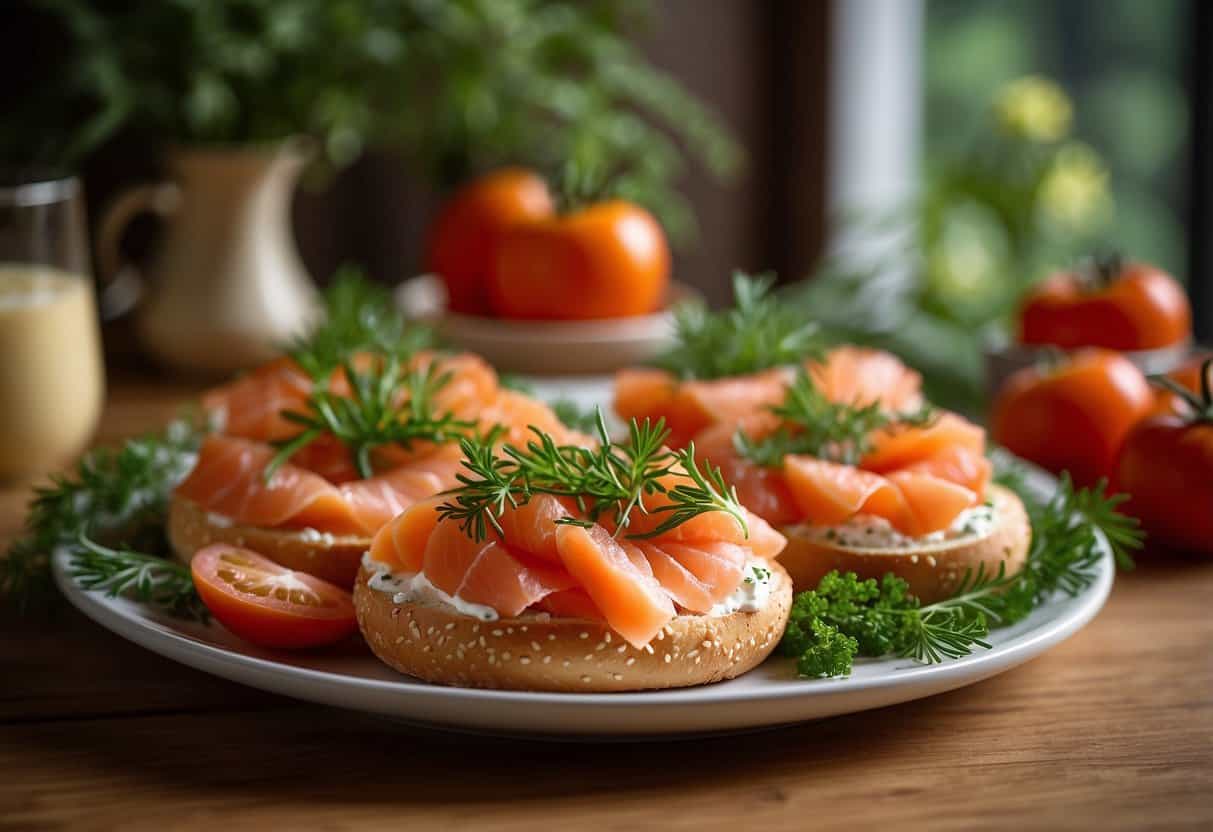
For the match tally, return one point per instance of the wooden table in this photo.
(1111, 730)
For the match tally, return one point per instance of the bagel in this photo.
(433, 641)
(335, 558)
(933, 568)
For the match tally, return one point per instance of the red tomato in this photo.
(1073, 416)
(463, 239)
(1132, 306)
(609, 260)
(268, 604)
(1166, 468)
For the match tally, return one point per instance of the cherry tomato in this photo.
(1074, 415)
(268, 604)
(1166, 468)
(463, 239)
(1119, 306)
(610, 260)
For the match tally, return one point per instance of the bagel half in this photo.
(335, 558)
(542, 653)
(934, 570)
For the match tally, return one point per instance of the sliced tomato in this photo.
(269, 604)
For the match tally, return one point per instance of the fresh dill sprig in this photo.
(145, 578)
(814, 425)
(759, 332)
(110, 493)
(609, 483)
(357, 316)
(388, 404)
(1069, 536)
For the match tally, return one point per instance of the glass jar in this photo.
(52, 383)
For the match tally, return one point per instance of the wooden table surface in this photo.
(1111, 730)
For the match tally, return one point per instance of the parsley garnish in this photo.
(758, 333)
(844, 616)
(814, 425)
(609, 483)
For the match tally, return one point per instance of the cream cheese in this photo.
(316, 536)
(415, 588)
(751, 594)
(867, 532)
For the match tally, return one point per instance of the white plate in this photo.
(770, 695)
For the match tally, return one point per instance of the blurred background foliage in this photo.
(454, 86)
(1052, 131)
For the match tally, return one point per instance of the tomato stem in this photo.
(1202, 403)
(1101, 270)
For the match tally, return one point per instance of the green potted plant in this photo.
(240, 94)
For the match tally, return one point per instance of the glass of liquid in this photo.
(52, 379)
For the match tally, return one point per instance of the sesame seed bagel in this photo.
(437, 643)
(335, 558)
(933, 569)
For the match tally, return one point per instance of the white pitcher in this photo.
(225, 285)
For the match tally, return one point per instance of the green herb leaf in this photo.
(609, 482)
(388, 405)
(145, 578)
(111, 493)
(758, 333)
(816, 426)
(357, 316)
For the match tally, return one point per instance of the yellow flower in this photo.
(1034, 108)
(1074, 191)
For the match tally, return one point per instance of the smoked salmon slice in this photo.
(251, 406)
(632, 602)
(914, 503)
(690, 406)
(401, 542)
(487, 572)
(228, 479)
(958, 464)
(697, 576)
(901, 445)
(760, 488)
(862, 375)
(848, 375)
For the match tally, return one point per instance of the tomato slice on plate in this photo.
(268, 604)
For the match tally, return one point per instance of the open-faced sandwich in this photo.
(840, 451)
(306, 466)
(624, 566)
